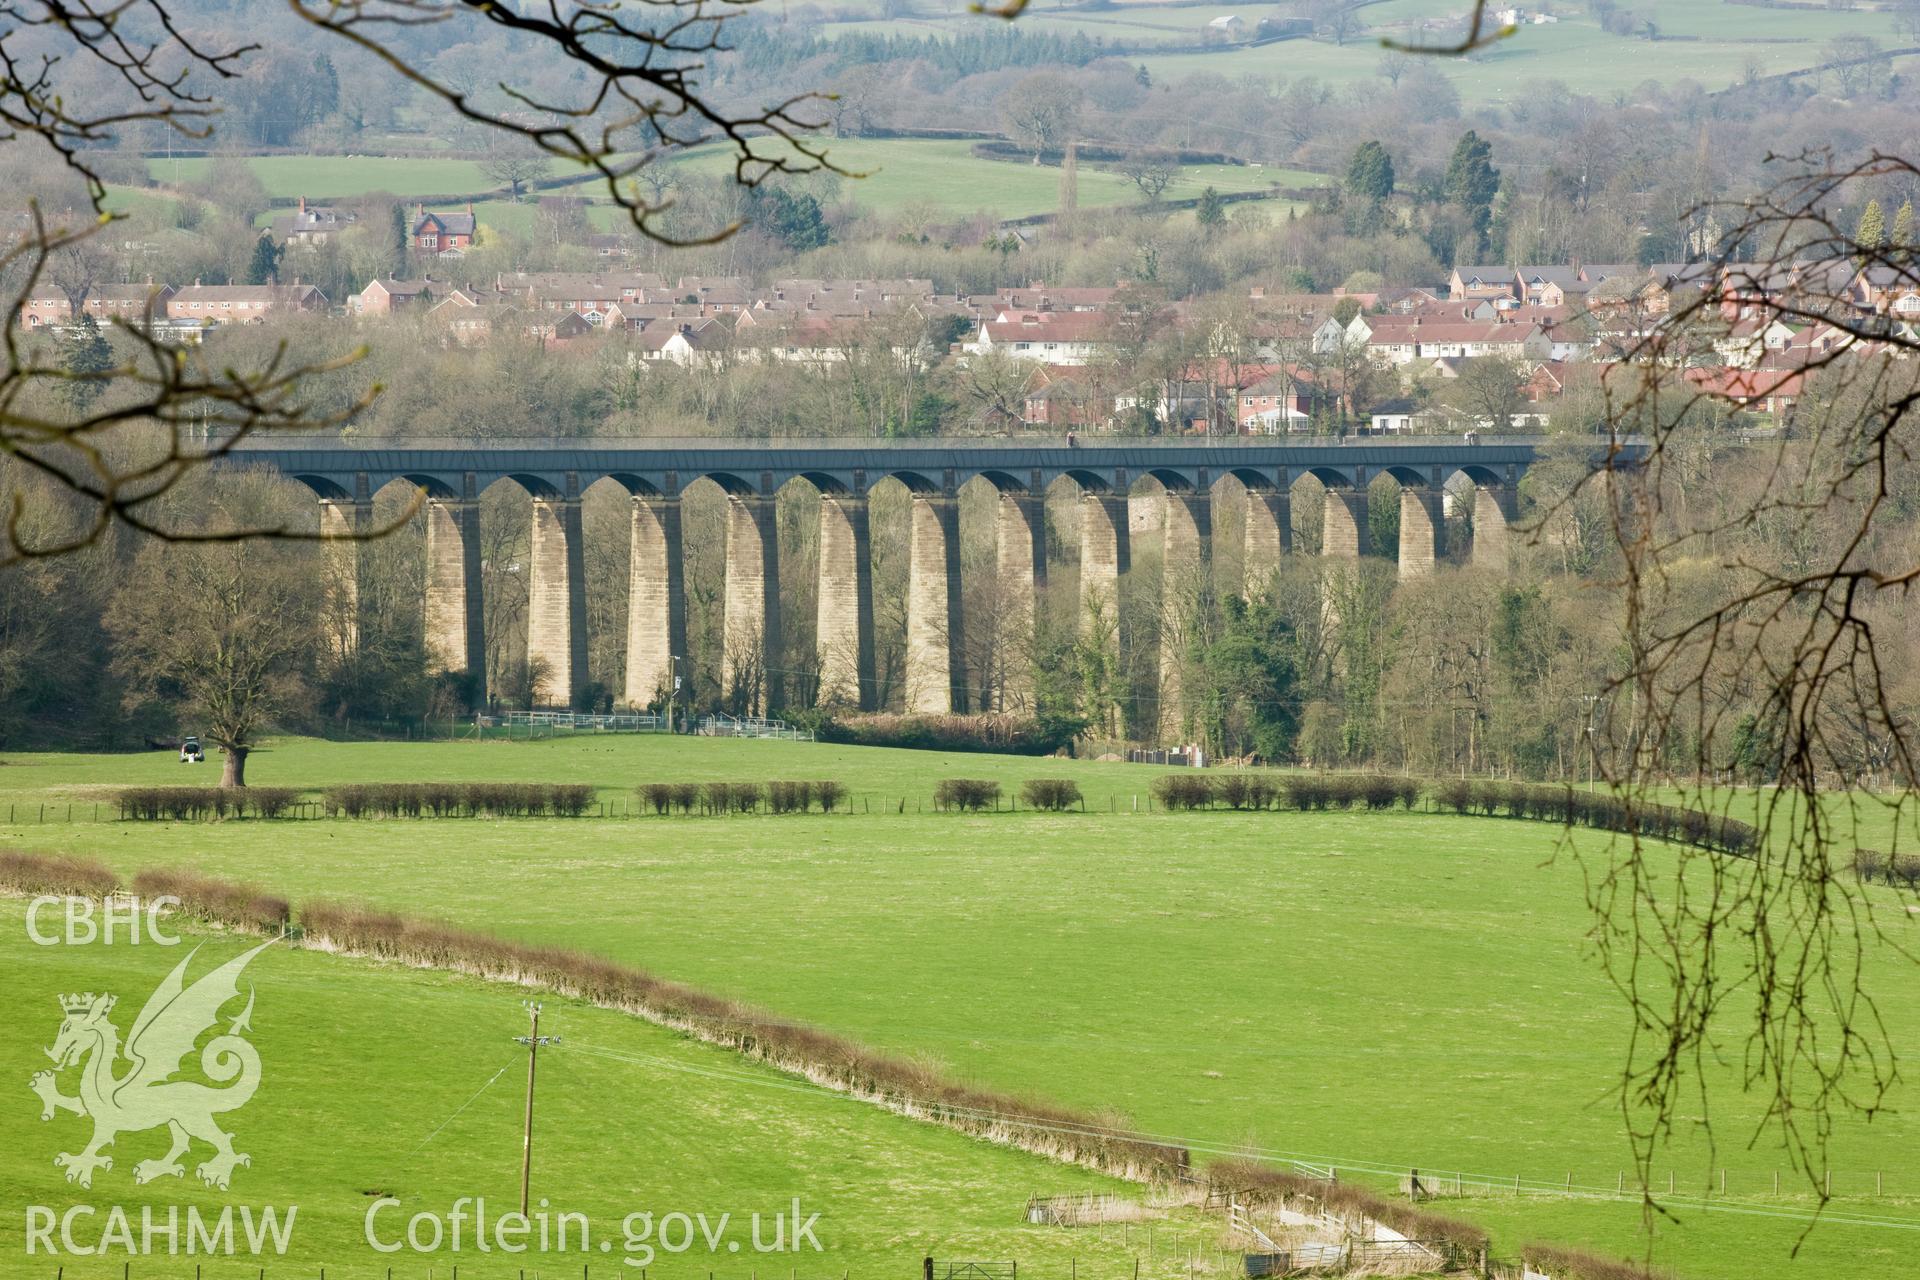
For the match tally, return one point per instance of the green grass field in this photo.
(363, 1065)
(899, 173)
(1708, 41)
(902, 172)
(335, 177)
(1377, 990)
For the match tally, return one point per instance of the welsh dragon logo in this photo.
(145, 1095)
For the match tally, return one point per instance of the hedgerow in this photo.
(1000, 734)
(65, 874)
(1176, 791)
(1577, 1264)
(966, 795)
(458, 799)
(1253, 1181)
(1051, 794)
(237, 906)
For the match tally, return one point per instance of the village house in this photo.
(243, 303)
(128, 303)
(1749, 337)
(635, 316)
(1226, 28)
(1055, 397)
(1393, 417)
(448, 235)
(715, 295)
(701, 343)
(1405, 301)
(589, 294)
(385, 295)
(1473, 283)
(1887, 291)
(311, 225)
(1050, 337)
(1549, 286)
(1040, 297)
(1769, 391)
(469, 313)
(1281, 401)
(1401, 340)
(609, 245)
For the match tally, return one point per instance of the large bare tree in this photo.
(229, 631)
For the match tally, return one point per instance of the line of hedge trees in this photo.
(971, 795)
(195, 804)
(1252, 1181)
(739, 797)
(362, 800)
(1605, 812)
(475, 800)
(1890, 869)
(1577, 1264)
(223, 902)
(1303, 791)
(995, 732)
(458, 799)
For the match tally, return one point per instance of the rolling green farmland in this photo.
(336, 177)
(1709, 41)
(945, 174)
(1389, 989)
(362, 1064)
(899, 172)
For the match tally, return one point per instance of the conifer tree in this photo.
(1872, 232)
(1902, 238)
(88, 357)
(265, 267)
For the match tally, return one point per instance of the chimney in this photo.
(303, 204)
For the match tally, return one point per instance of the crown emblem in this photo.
(85, 1003)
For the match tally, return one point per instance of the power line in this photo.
(462, 1107)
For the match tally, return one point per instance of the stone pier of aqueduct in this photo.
(345, 474)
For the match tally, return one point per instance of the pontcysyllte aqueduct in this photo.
(346, 473)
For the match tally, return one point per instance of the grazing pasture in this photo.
(386, 1080)
(1710, 42)
(1381, 990)
(941, 174)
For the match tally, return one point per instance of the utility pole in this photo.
(673, 690)
(1593, 700)
(533, 1040)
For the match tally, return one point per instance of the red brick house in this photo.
(126, 302)
(385, 295)
(443, 233)
(242, 303)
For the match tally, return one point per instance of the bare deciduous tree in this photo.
(226, 630)
(515, 166)
(1151, 173)
(1754, 650)
(1041, 112)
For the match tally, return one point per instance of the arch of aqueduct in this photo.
(345, 474)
